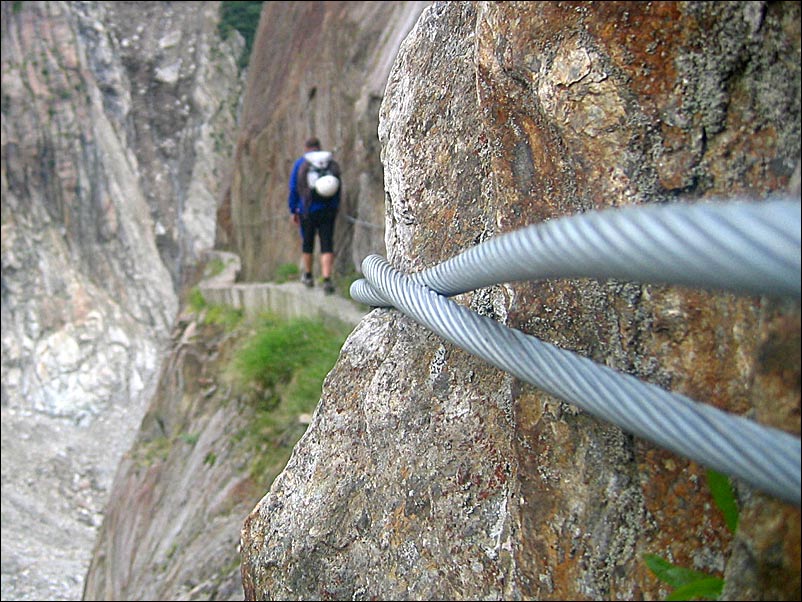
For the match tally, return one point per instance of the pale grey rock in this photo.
(89, 295)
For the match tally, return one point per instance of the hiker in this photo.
(313, 201)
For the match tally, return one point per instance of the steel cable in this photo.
(745, 247)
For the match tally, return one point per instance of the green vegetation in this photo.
(189, 438)
(687, 583)
(721, 489)
(271, 368)
(195, 300)
(291, 355)
(284, 362)
(156, 450)
(286, 272)
(225, 316)
(213, 267)
(244, 17)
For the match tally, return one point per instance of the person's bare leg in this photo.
(326, 264)
(307, 259)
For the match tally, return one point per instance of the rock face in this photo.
(318, 68)
(425, 473)
(159, 540)
(175, 542)
(116, 123)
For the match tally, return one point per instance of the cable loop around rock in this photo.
(751, 248)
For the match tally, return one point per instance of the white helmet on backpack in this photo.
(327, 186)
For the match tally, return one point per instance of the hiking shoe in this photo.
(328, 286)
(308, 280)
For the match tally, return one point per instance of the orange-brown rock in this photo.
(427, 474)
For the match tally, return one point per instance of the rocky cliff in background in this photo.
(117, 121)
(318, 68)
(190, 469)
(426, 474)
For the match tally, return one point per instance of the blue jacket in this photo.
(294, 200)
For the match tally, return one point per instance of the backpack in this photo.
(320, 167)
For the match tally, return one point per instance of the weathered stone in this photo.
(89, 294)
(426, 474)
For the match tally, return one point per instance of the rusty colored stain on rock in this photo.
(558, 108)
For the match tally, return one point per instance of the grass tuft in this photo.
(284, 363)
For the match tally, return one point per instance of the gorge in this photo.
(133, 145)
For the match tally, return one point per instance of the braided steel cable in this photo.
(742, 247)
(765, 457)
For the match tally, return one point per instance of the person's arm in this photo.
(293, 200)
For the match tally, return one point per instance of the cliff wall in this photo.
(171, 528)
(318, 68)
(427, 474)
(117, 123)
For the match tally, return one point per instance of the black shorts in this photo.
(320, 223)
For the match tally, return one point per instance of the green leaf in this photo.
(721, 489)
(705, 588)
(675, 576)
